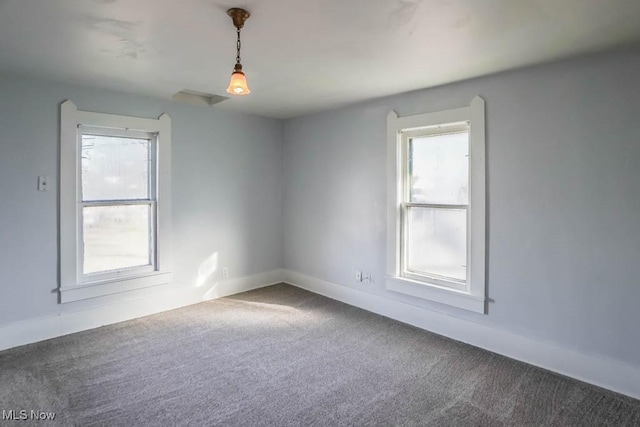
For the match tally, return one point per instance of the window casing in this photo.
(436, 207)
(115, 203)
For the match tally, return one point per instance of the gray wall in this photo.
(563, 206)
(563, 145)
(227, 183)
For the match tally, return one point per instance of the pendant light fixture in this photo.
(238, 83)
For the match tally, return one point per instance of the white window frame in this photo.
(74, 285)
(470, 295)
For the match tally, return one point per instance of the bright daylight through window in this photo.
(437, 206)
(115, 203)
(118, 201)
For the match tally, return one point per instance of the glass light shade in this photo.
(238, 84)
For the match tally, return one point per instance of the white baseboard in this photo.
(34, 330)
(610, 374)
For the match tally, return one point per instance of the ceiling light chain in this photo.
(239, 45)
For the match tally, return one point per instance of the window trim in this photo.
(74, 285)
(472, 298)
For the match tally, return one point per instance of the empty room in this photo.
(320, 212)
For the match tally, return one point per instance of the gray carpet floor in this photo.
(282, 356)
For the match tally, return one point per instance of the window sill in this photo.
(430, 292)
(113, 286)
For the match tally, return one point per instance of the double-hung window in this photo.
(118, 201)
(435, 203)
(114, 203)
(436, 239)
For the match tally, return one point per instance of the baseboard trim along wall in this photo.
(610, 374)
(68, 322)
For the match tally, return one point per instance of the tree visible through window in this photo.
(118, 202)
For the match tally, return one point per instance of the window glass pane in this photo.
(437, 242)
(116, 237)
(115, 168)
(439, 167)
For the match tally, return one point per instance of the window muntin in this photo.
(117, 198)
(435, 205)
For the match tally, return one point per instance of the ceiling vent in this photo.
(199, 99)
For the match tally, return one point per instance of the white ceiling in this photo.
(300, 56)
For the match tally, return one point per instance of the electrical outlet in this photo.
(225, 271)
(358, 275)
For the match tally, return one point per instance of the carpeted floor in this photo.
(282, 356)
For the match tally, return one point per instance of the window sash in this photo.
(152, 137)
(406, 272)
(126, 271)
(151, 201)
(406, 204)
